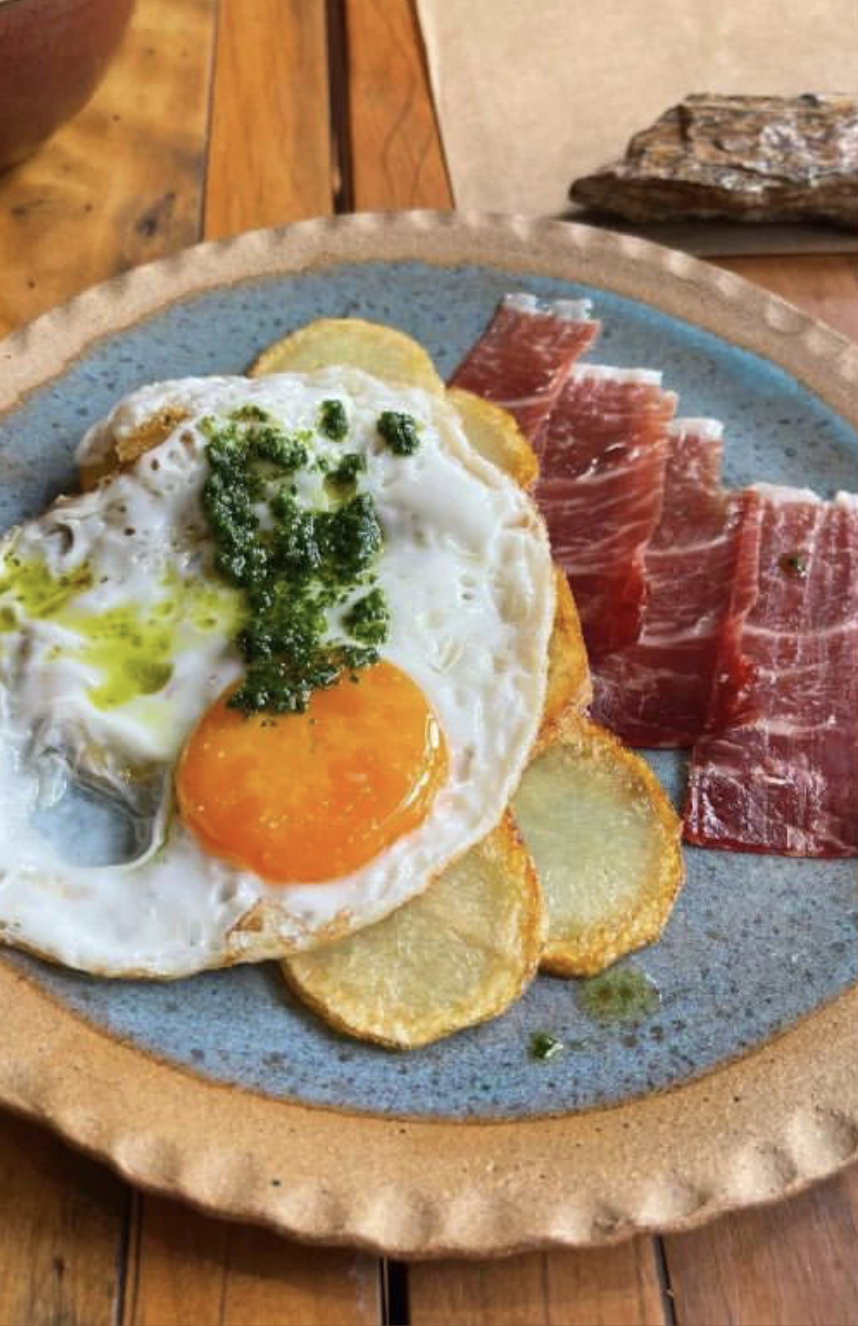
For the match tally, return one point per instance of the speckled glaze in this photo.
(754, 942)
(475, 1179)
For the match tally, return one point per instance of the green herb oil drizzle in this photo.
(620, 996)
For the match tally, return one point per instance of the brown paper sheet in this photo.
(532, 94)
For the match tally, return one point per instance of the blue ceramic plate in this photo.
(755, 943)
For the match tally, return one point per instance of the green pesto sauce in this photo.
(346, 473)
(368, 619)
(292, 562)
(333, 420)
(796, 564)
(544, 1046)
(619, 996)
(399, 431)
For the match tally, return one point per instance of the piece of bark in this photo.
(741, 158)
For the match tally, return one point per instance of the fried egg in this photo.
(249, 837)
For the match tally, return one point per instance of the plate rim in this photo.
(773, 1121)
(762, 1128)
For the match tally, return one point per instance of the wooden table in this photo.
(217, 118)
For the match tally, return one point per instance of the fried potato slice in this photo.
(493, 432)
(382, 351)
(458, 954)
(605, 842)
(569, 681)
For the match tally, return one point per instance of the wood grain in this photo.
(62, 1220)
(396, 155)
(270, 149)
(614, 1286)
(269, 162)
(824, 285)
(125, 182)
(189, 1270)
(122, 182)
(795, 1264)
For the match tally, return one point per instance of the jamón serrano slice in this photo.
(700, 569)
(602, 461)
(525, 355)
(785, 780)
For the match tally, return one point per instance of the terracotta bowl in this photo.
(53, 55)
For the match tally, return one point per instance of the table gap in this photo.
(394, 1292)
(662, 1269)
(338, 95)
(209, 120)
(125, 1263)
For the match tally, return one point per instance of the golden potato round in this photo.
(569, 682)
(382, 351)
(493, 432)
(458, 954)
(605, 841)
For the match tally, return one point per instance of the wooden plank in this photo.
(396, 156)
(824, 285)
(794, 1264)
(96, 199)
(62, 1221)
(614, 1286)
(269, 162)
(122, 182)
(270, 149)
(187, 1269)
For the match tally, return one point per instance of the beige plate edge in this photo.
(753, 1131)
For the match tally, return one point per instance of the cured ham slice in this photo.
(700, 569)
(786, 779)
(602, 461)
(525, 355)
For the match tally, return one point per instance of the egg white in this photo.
(467, 572)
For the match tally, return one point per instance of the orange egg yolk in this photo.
(302, 798)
